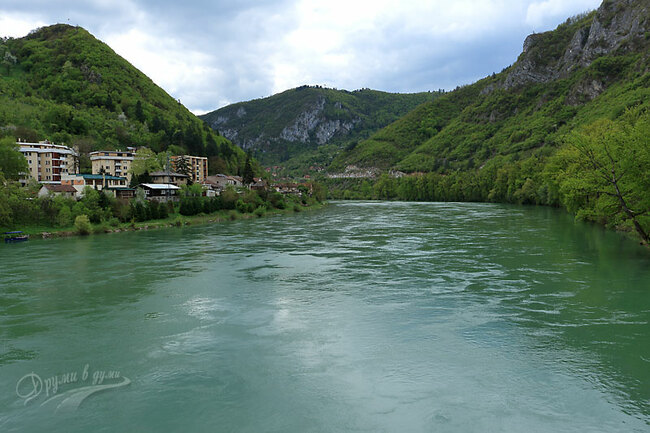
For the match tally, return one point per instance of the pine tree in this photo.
(248, 175)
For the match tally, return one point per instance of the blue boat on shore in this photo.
(13, 237)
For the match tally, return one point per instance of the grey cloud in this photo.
(238, 41)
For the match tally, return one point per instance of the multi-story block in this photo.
(197, 166)
(48, 161)
(112, 162)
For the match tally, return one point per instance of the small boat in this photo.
(12, 237)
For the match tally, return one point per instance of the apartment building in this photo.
(112, 162)
(197, 166)
(48, 161)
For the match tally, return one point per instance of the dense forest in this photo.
(62, 84)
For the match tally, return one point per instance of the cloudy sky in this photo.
(213, 53)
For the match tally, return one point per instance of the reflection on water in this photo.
(362, 317)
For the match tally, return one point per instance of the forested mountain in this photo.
(592, 66)
(310, 124)
(61, 83)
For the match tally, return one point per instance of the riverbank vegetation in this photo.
(601, 174)
(97, 212)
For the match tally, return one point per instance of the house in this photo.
(95, 181)
(169, 177)
(112, 162)
(219, 182)
(123, 193)
(47, 162)
(287, 188)
(160, 191)
(197, 166)
(258, 184)
(53, 189)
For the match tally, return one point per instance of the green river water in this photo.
(361, 317)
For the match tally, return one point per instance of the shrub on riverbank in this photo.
(82, 224)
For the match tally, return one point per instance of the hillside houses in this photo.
(56, 167)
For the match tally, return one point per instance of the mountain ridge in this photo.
(67, 86)
(306, 118)
(564, 78)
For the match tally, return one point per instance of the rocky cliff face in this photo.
(617, 26)
(301, 120)
(314, 122)
(312, 125)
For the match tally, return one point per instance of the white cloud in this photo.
(216, 52)
(17, 25)
(167, 62)
(541, 12)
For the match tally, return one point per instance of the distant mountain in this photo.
(61, 83)
(309, 124)
(592, 66)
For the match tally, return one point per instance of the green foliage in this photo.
(145, 161)
(64, 218)
(12, 162)
(82, 224)
(248, 174)
(604, 173)
(182, 166)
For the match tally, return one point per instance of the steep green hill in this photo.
(567, 125)
(307, 125)
(592, 66)
(61, 83)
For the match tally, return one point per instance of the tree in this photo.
(604, 173)
(181, 165)
(82, 224)
(145, 161)
(139, 113)
(248, 175)
(12, 162)
(9, 60)
(64, 218)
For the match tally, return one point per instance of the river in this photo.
(361, 317)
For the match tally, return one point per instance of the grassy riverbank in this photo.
(174, 220)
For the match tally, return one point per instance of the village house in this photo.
(58, 190)
(287, 188)
(169, 177)
(258, 184)
(112, 162)
(162, 192)
(95, 181)
(219, 182)
(47, 162)
(124, 193)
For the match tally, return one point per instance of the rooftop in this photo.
(159, 186)
(99, 176)
(60, 188)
